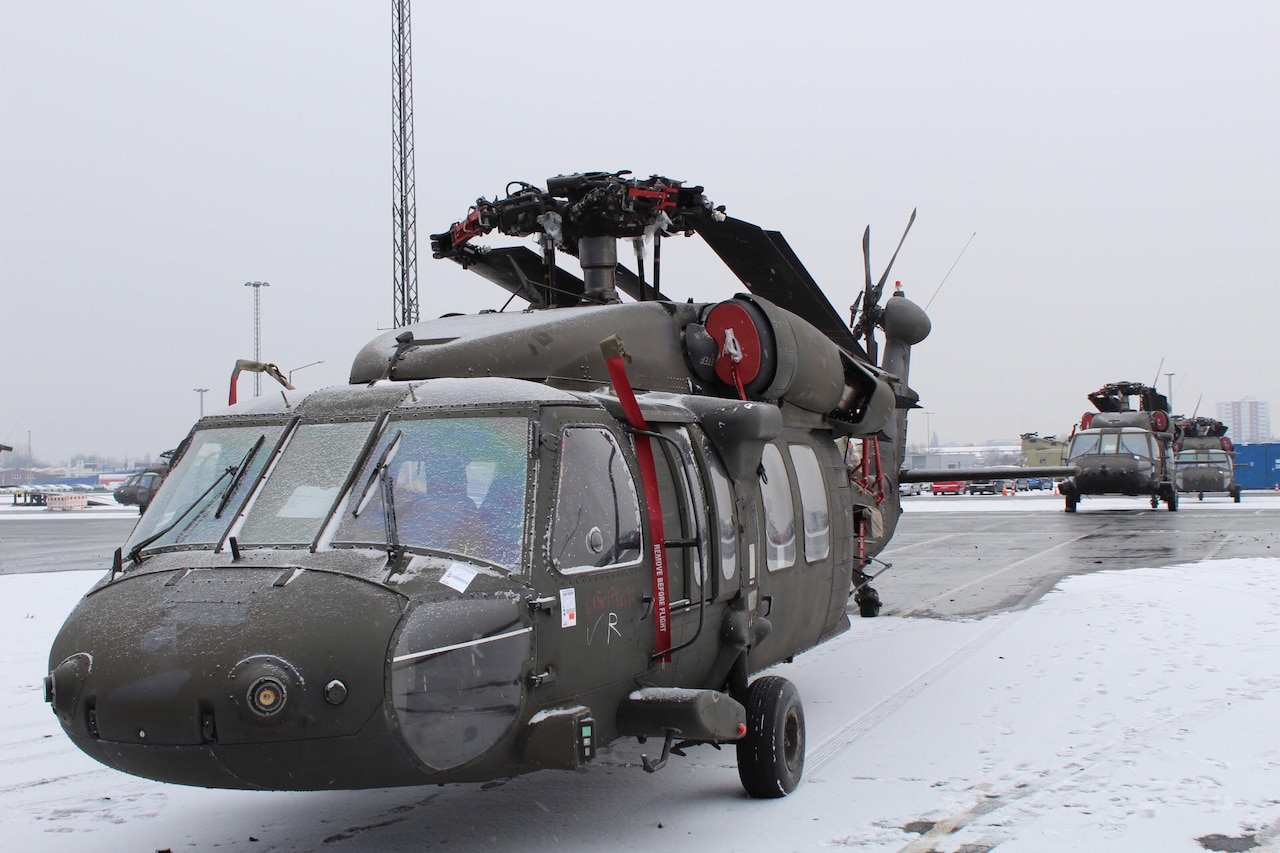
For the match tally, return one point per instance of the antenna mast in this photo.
(403, 206)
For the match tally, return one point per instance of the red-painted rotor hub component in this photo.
(734, 331)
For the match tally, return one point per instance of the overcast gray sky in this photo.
(1118, 162)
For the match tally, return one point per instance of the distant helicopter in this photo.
(515, 536)
(140, 488)
(1204, 458)
(1122, 450)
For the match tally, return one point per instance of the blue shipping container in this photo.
(1258, 465)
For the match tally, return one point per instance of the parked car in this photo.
(984, 487)
(950, 487)
(911, 488)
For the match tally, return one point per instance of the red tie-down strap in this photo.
(614, 357)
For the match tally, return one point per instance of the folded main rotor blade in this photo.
(768, 267)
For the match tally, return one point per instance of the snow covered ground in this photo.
(1126, 711)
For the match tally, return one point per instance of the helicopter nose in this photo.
(229, 677)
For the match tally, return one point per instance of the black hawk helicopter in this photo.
(515, 536)
(1122, 450)
(1204, 458)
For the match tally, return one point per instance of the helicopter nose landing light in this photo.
(267, 696)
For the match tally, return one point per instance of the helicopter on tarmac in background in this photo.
(1204, 458)
(1123, 450)
(534, 531)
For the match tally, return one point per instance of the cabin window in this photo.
(303, 487)
(813, 502)
(726, 522)
(679, 511)
(597, 512)
(459, 486)
(199, 484)
(779, 512)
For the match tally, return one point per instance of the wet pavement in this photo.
(952, 558)
(963, 564)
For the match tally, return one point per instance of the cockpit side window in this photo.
(813, 502)
(779, 512)
(597, 511)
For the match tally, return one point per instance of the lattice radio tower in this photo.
(404, 209)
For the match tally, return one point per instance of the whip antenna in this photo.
(948, 275)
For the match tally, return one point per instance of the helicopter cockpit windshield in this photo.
(1136, 443)
(1208, 458)
(457, 486)
(192, 510)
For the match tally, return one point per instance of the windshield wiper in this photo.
(234, 471)
(389, 517)
(384, 461)
(136, 553)
(240, 469)
(381, 476)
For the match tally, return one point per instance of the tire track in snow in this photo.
(845, 735)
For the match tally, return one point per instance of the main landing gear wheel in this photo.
(1073, 501)
(868, 601)
(771, 756)
(1172, 502)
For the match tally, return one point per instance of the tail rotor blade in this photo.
(866, 261)
(880, 285)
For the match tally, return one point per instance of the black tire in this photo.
(771, 756)
(1072, 503)
(1172, 502)
(868, 601)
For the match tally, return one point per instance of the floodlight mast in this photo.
(403, 204)
(257, 330)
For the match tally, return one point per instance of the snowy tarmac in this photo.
(1125, 711)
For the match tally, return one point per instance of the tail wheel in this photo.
(868, 601)
(771, 756)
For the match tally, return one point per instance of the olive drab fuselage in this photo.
(451, 568)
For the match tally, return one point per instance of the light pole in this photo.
(257, 331)
(929, 437)
(201, 392)
(296, 369)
